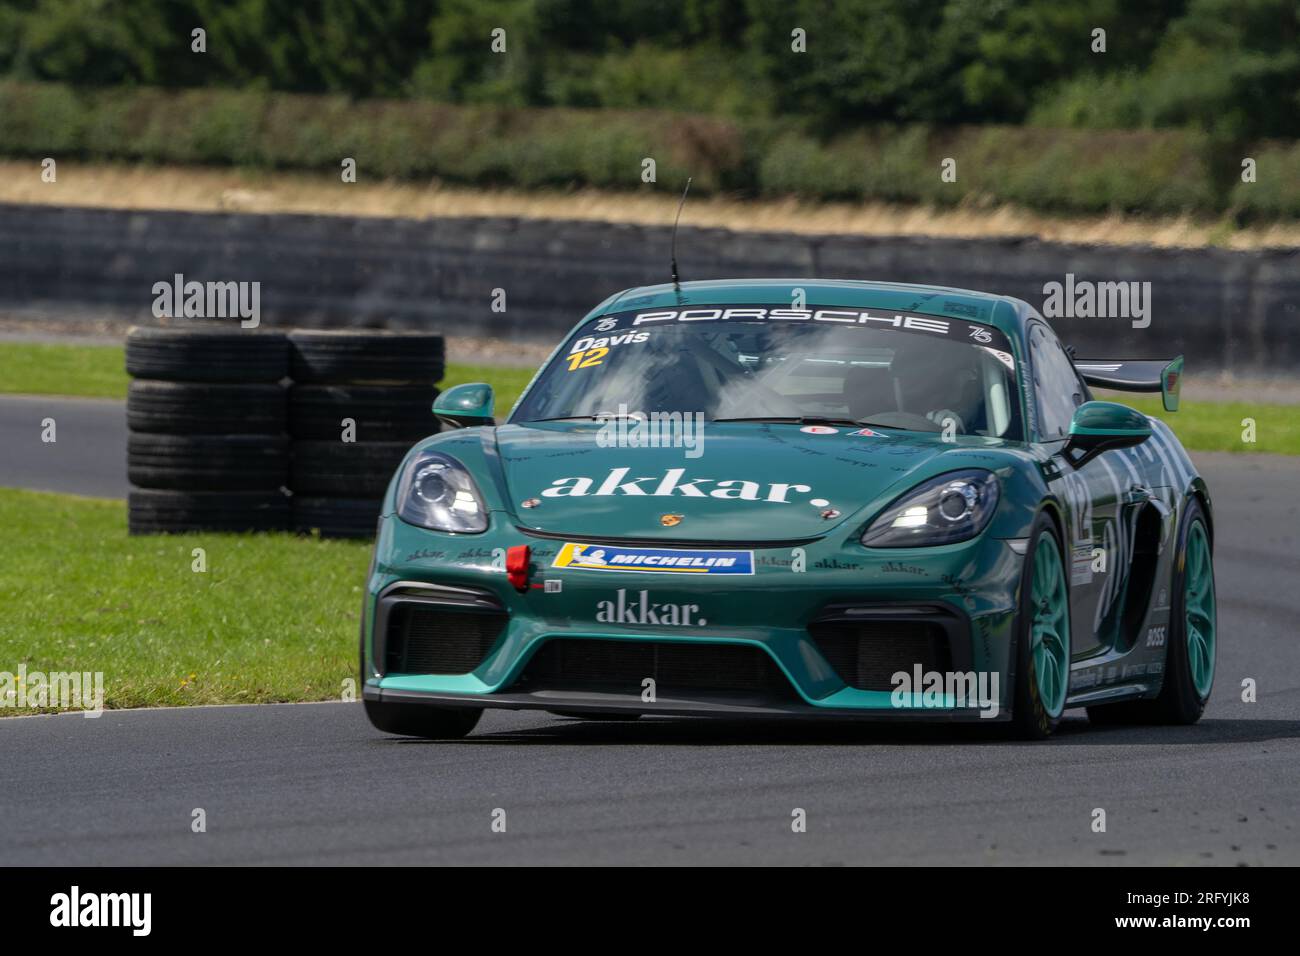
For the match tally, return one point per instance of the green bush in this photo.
(1276, 190)
(1228, 67)
(1061, 170)
(1091, 171)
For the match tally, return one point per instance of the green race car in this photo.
(797, 499)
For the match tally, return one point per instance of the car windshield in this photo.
(756, 363)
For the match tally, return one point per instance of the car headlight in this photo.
(438, 493)
(952, 507)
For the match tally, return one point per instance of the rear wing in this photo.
(1136, 375)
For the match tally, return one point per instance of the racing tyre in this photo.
(189, 408)
(344, 469)
(207, 462)
(370, 356)
(381, 412)
(336, 517)
(1042, 636)
(206, 354)
(1192, 646)
(420, 720)
(164, 512)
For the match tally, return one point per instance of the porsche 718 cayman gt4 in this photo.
(798, 499)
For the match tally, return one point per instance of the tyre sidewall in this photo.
(1178, 696)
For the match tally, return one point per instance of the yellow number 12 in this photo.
(586, 359)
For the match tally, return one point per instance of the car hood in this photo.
(748, 482)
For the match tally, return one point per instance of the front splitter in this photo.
(595, 703)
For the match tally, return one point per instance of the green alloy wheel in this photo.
(1045, 637)
(1198, 609)
(1051, 627)
(1193, 629)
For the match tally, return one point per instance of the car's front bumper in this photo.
(965, 592)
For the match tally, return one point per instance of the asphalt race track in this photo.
(87, 457)
(313, 783)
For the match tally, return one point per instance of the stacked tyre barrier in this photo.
(207, 418)
(241, 430)
(358, 401)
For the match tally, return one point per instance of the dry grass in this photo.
(234, 190)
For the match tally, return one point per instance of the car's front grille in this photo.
(678, 669)
(427, 638)
(866, 654)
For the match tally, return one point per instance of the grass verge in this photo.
(99, 371)
(1222, 426)
(273, 618)
(84, 371)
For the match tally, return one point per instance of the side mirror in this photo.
(464, 406)
(1101, 426)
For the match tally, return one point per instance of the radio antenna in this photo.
(677, 286)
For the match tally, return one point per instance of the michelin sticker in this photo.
(597, 557)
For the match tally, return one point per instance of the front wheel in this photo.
(1042, 636)
(421, 720)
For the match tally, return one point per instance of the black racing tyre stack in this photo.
(353, 357)
(207, 462)
(162, 512)
(345, 469)
(379, 412)
(205, 408)
(206, 354)
(359, 400)
(336, 517)
(208, 445)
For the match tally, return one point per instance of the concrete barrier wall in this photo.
(1236, 311)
